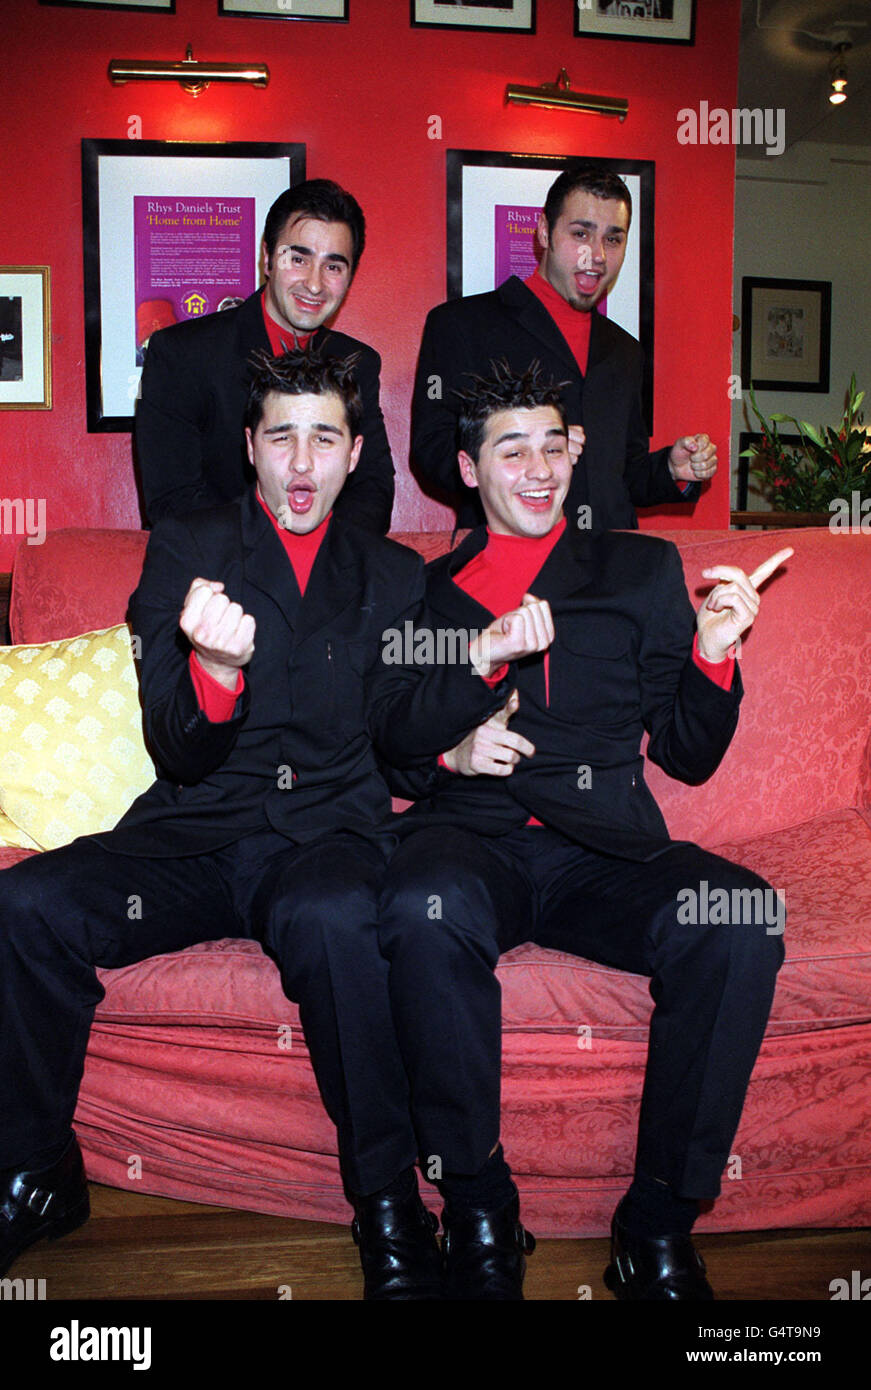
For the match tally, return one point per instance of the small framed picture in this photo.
(25, 337)
(785, 334)
(165, 6)
(474, 14)
(336, 10)
(647, 21)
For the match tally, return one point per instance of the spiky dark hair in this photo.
(303, 372)
(504, 389)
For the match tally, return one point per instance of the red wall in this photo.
(359, 95)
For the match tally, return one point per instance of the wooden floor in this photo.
(141, 1247)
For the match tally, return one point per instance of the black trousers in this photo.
(454, 900)
(313, 908)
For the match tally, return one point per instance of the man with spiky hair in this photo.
(515, 846)
(553, 317)
(188, 423)
(264, 694)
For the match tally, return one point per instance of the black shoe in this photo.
(398, 1249)
(655, 1269)
(485, 1253)
(42, 1202)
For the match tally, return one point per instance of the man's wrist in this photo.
(225, 675)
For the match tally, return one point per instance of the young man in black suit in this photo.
(514, 845)
(264, 692)
(188, 425)
(551, 317)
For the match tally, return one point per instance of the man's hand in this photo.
(731, 607)
(693, 459)
(576, 441)
(220, 632)
(521, 632)
(491, 749)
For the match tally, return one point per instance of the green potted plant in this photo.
(829, 463)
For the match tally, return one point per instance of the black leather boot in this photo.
(42, 1202)
(398, 1249)
(485, 1253)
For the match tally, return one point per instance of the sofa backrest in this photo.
(801, 745)
(800, 749)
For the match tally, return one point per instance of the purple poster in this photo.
(514, 245)
(514, 242)
(192, 255)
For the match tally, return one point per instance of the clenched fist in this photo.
(521, 632)
(220, 632)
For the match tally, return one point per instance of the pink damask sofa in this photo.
(185, 1070)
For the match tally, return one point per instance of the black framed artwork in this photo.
(335, 11)
(642, 21)
(786, 328)
(748, 439)
(164, 6)
(493, 201)
(25, 337)
(171, 231)
(495, 15)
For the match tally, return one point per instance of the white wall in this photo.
(806, 215)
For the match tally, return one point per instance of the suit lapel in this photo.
(531, 314)
(265, 564)
(335, 582)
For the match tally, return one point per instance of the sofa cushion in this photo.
(825, 980)
(72, 756)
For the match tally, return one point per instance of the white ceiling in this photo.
(786, 46)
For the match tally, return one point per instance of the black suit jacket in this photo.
(189, 428)
(621, 662)
(614, 474)
(297, 754)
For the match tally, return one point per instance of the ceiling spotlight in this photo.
(838, 74)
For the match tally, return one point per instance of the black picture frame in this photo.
(640, 171)
(479, 16)
(285, 9)
(679, 28)
(746, 439)
(143, 6)
(791, 358)
(107, 167)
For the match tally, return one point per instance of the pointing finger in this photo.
(761, 573)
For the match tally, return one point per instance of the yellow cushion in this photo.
(11, 837)
(72, 756)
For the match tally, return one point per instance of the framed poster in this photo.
(494, 199)
(518, 15)
(336, 10)
(25, 337)
(648, 21)
(171, 231)
(785, 334)
(167, 6)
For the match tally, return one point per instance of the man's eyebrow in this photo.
(591, 226)
(320, 425)
(511, 434)
(308, 251)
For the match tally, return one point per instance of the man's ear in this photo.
(249, 444)
(265, 255)
(468, 469)
(355, 453)
(543, 234)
